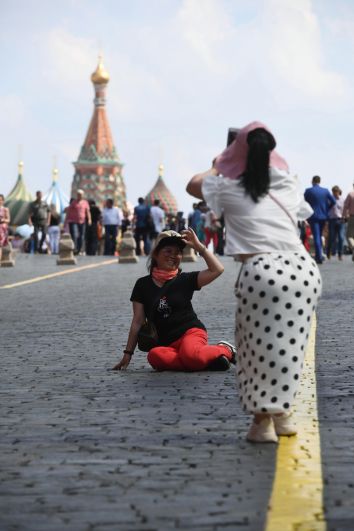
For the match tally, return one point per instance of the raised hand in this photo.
(191, 239)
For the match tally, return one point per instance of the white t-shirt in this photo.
(111, 216)
(158, 216)
(258, 227)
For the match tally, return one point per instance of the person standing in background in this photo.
(92, 231)
(111, 220)
(68, 215)
(80, 215)
(221, 236)
(158, 218)
(141, 224)
(180, 221)
(126, 223)
(194, 218)
(54, 230)
(39, 218)
(4, 223)
(211, 226)
(321, 201)
(336, 226)
(348, 214)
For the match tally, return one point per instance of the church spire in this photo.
(98, 168)
(20, 168)
(100, 75)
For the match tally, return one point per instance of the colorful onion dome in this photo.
(161, 192)
(100, 75)
(18, 201)
(55, 196)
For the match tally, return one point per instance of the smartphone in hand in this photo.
(231, 135)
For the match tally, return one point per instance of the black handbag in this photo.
(147, 336)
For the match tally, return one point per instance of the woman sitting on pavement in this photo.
(279, 283)
(183, 339)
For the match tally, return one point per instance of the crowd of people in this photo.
(328, 232)
(331, 215)
(94, 230)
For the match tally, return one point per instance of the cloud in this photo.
(67, 60)
(293, 57)
(207, 29)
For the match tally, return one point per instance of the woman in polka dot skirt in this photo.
(279, 283)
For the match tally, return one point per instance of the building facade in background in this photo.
(98, 170)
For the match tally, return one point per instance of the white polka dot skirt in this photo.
(276, 296)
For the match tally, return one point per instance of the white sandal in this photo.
(284, 425)
(263, 432)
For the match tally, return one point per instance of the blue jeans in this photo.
(142, 233)
(54, 237)
(77, 233)
(316, 229)
(110, 239)
(336, 237)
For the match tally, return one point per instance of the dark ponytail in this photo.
(256, 178)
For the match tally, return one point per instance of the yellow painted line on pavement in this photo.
(296, 502)
(59, 274)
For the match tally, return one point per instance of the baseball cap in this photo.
(168, 237)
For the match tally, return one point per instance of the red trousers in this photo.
(190, 352)
(211, 235)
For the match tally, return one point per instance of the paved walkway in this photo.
(85, 448)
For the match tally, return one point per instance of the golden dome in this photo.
(161, 170)
(100, 75)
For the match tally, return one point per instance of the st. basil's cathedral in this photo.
(98, 169)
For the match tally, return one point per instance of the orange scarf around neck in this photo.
(162, 276)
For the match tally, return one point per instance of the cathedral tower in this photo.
(98, 170)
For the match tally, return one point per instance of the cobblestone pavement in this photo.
(335, 373)
(85, 448)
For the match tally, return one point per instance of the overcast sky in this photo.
(182, 72)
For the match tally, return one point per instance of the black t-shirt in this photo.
(54, 220)
(173, 313)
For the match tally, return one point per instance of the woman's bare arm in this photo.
(137, 321)
(215, 267)
(194, 187)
